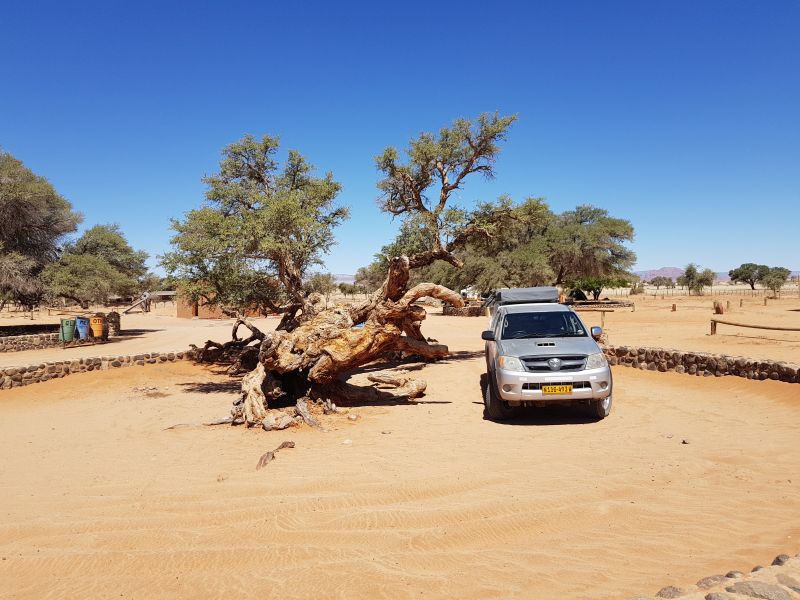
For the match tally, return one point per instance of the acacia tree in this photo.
(109, 243)
(775, 279)
(662, 281)
(263, 227)
(311, 360)
(99, 264)
(514, 255)
(84, 279)
(749, 273)
(695, 280)
(35, 219)
(534, 247)
(587, 242)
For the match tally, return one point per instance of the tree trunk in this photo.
(313, 359)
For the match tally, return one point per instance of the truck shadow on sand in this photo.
(550, 415)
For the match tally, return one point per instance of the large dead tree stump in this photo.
(313, 360)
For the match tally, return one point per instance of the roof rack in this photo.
(525, 295)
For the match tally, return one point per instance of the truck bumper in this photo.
(518, 387)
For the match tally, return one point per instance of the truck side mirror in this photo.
(597, 332)
(488, 335)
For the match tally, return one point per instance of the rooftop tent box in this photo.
(526, 295)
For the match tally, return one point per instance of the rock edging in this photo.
(11, 377)
(780, 581)
(18, 343)
(701, 363)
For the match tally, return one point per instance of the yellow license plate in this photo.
(556, 389)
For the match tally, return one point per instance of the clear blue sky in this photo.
(682, 116)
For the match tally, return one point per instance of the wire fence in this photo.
(789, 291)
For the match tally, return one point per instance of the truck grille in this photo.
(576, 385)
(540, 363)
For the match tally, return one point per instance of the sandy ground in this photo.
(427, 501)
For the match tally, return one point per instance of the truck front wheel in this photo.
(602, 408)
(493, 407)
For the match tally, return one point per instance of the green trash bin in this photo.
(66, 333)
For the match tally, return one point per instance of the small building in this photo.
(187, 309)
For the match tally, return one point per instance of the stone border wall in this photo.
(464, 311)
(701, 363)
(17, 343)
(19, 376)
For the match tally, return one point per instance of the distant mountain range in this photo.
(675, 272)
(341, 278)
(671, 272)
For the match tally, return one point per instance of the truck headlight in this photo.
(596, 361)
(510, 363)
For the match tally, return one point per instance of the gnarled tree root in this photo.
(313, 359)
(400, 389)
(239, 352)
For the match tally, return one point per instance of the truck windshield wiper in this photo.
(528, 336)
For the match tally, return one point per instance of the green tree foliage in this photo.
(528, 247)
(263, 227)
(514, 255)
(587, 242)
(85, 279)
(349, 289)
(35, 219)
(99, 264)
(775, 279)
(108, 243)
(750, 273)
(695, 280)
(661, 281)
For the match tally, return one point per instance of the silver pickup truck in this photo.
(539, 352)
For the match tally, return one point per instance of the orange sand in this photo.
(428, 501)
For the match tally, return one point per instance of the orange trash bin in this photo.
(97, 325)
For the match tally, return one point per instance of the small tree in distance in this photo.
(775, 279)
(322, 283)
(661, 281)
(695, 280)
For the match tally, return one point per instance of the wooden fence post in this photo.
(713, 327)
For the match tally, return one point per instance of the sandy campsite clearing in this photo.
(426, 500)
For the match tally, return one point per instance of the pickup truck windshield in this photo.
(539, 325)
